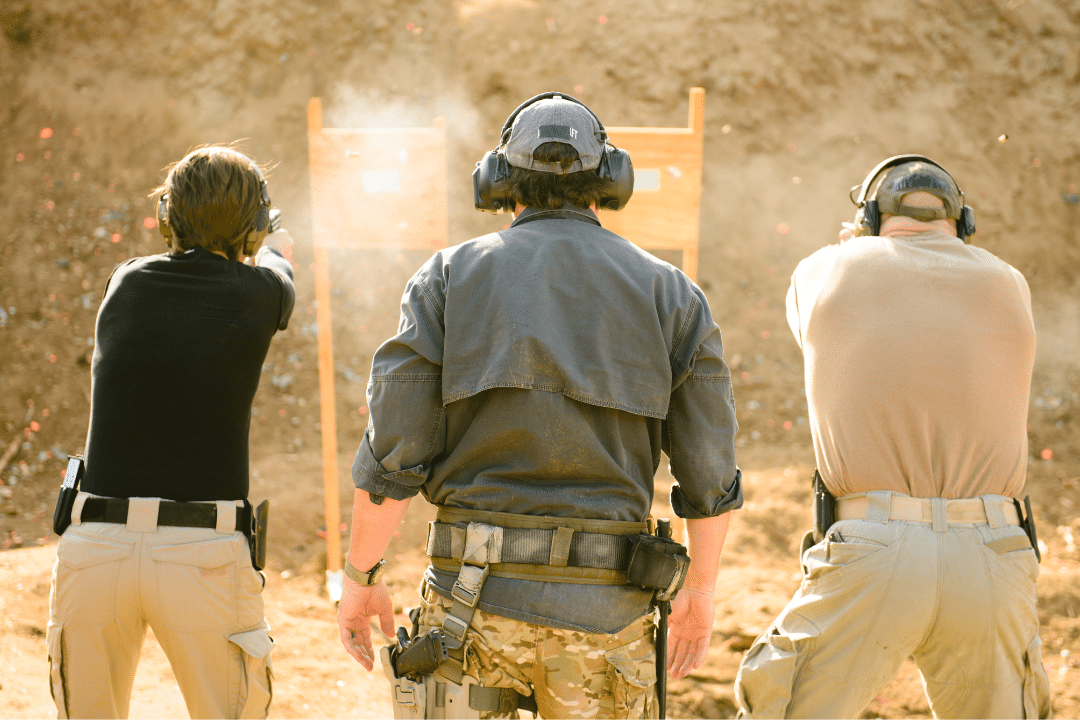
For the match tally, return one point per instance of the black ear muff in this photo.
(965, 225)
(616, 166)
(163, 219)
(490, 191)
(868, 219)
(259, 230)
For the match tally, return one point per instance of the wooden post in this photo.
(327, 405)
(696, 123)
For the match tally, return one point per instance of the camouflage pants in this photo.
(572, 674)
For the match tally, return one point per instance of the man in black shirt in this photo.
(157, 533)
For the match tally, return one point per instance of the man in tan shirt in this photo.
(918, 352)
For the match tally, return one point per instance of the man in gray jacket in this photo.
(536, 377)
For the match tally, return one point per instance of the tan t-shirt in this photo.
(918, 353)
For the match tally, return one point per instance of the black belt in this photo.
(173, 514)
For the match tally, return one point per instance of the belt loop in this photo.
(995, 513)
(226, 517)
(457, 542)
(939, 513)
(878, 505)
(560, 547)
(142, 515)
(77, 508)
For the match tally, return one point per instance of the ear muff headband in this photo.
(493, 168)
(253, 236)
(868, 215)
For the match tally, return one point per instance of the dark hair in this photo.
(214, 197)
(548, 191)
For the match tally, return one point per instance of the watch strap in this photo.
(364, 578)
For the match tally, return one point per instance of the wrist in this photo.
(365, 577)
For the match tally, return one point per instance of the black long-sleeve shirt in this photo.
(180, 343)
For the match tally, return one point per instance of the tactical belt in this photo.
(173, 514)
(530, 547)
(939, 511)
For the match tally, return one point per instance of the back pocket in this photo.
(197, 583)
(87, 565)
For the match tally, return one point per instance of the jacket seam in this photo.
(677, 342)
(596, 402)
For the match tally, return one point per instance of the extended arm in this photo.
(373, 525)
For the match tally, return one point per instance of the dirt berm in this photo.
(802, 99)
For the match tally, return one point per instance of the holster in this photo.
(256, 533)
(1027, 520)
(423, 683)
(824, 508)
(69, 489)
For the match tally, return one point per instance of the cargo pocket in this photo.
(633, 677)
(57, 682)
(1036, 684)
(256, 676)
(767, 674)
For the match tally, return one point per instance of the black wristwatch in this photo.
(371, 577)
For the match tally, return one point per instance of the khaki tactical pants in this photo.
(572, 674)
(194, 586)
(876, 591)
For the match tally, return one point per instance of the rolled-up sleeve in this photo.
(406, 421)
(699, 436)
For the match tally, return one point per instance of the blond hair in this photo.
(213, 194)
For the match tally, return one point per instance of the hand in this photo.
(847, 231)
(359, 603)
(280, 241)
(690, 628)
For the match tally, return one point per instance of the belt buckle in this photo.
(466, 589)
(455, 627)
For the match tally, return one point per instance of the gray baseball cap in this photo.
(555, 120)
(918, 176)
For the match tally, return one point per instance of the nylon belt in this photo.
(559, 547)
(171, 513)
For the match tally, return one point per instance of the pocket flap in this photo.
(256, 643)
(205, 553)
(635, 662)
(83, 551)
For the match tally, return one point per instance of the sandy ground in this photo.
(315, 678)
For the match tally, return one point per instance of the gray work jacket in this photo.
(541, 370)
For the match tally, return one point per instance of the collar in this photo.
(566, 212)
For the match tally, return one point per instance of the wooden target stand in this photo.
(664, 212)
(372, 189)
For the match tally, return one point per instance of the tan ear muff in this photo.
(163, 220)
